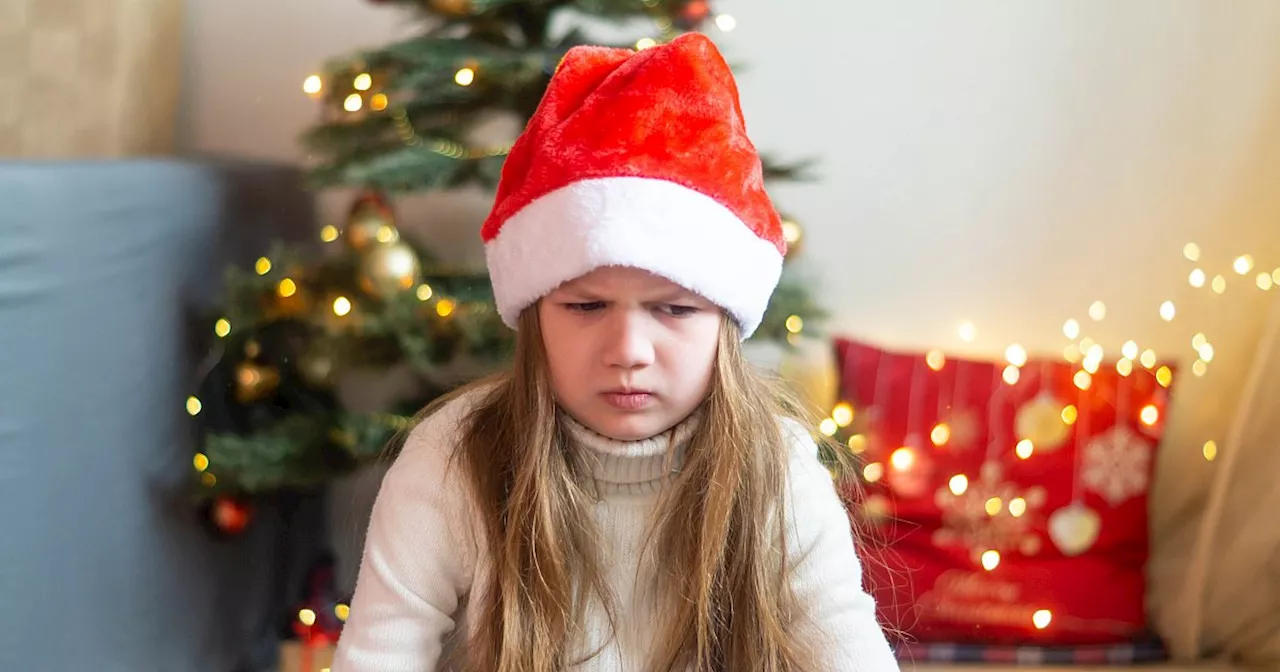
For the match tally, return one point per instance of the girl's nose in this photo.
(629, 344)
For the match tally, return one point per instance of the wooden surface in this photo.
(89, 78)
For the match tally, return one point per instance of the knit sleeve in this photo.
(418, 558)
(839, 619)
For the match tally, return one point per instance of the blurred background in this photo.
(1032, 285)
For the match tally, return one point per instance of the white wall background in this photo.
(1005, 163)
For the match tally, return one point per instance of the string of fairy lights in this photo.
(1087, 353)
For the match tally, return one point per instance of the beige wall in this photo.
(88, 78)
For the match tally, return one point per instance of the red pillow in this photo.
(1003, 504)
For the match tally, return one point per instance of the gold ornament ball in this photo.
(255, 382)
(452, 7)
(369, 228)
(386, 270)
(793, 233)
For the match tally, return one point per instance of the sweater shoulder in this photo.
(436, 437)
(804, 450)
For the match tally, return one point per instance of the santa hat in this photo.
(641, 159)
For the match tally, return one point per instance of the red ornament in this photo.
(230, 516)
(693, 14)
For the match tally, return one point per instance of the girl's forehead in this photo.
(609, 279)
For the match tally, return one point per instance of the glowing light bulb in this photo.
(200, 461)
(1097, 311)
(1164, 376)
(362, 82)
(353, 103)
(1265, 282)
(941, 434)
(935, 359)
(1206, 352)
(1129, 350)
(1198, 341)
(445, 307)
(423, 292)
(1041, 619)
(1199, 368)
(307, 616)
(312, 85)
(968, 332)
(827, 427)
(1011, 374)
(1191, 251)
(1086, 344)
(842, 414)
(222, 327)
(1210, 450)
(1148, 358)
(858, 443)
(873, 472)
(1017, 507)
(645, 43)
(1082, 379)
(1072, 354)
(958, 484)
(329, 233)
(379, 102)
(1243, 264)
(1071, 329)
(1219, 284)
(1124, 367)
(1024, 449)
(1167, 311)
(990, 560)
(341, 306)
(262, 266)
(464, 77)
(1149, 415)
(1016, 355)
(993, 506)
(193, 406)
(725, 22)
(791, 232)
(1196, 278)
(903, 458)
(1069, 414)
(342, 611)
(1091, 364)
(208, 479)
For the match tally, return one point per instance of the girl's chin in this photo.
(629, 426)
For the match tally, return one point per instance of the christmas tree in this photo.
(397, 120)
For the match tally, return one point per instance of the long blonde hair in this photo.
(723, 591)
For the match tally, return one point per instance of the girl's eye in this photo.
(678, 311)
(587, 307)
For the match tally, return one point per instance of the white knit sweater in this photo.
(422, 558)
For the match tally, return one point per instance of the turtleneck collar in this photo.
(633, 467)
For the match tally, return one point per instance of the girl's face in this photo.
(630, 353)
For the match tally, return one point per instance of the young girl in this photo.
(631, 496)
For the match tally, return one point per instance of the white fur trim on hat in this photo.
(655, 225)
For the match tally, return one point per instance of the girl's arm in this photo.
(827, 575)
(418, 559)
